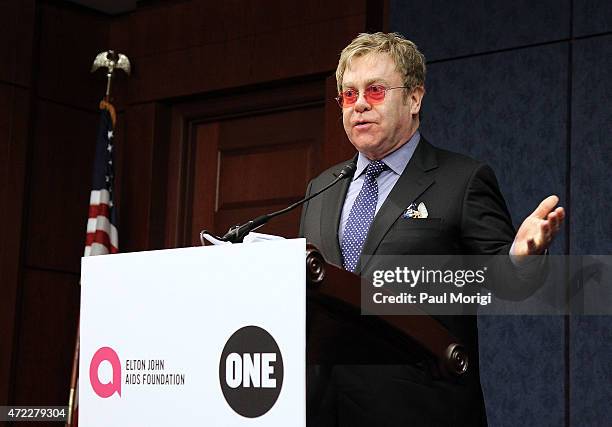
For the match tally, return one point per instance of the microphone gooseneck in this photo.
(237, 233)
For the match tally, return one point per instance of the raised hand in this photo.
(539, 229)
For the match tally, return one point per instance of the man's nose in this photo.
(362, 103)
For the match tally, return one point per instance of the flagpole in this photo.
(74, 375)
(111, 61)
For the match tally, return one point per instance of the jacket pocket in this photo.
(417, 224)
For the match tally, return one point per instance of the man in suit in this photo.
(380, 80)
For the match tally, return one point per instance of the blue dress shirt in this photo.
(396, 163)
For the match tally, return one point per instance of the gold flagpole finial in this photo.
(111, 61)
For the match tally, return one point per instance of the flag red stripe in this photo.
(92, 238)
(99, 236)
(99, 210)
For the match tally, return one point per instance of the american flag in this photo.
(102, 237)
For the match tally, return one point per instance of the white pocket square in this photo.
(414, 211)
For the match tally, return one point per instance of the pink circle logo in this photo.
(112, 387)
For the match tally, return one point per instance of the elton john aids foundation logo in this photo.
(105, 354)
(251, 371)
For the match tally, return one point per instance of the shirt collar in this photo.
(396, 161)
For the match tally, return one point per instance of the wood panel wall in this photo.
(188, 57)
(48, 110)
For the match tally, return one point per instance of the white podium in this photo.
(210, 336)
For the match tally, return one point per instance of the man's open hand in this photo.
(538, 230)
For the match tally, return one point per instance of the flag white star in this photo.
(110, 134)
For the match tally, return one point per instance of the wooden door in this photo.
(238, 157)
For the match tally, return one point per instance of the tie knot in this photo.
(375, 168)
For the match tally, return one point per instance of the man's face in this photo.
(378, 129)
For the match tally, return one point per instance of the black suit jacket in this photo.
(467, 215)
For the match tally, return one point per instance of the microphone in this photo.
(237, 233)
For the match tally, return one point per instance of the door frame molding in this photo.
(187, 114)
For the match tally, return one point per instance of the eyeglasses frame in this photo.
(339, 97)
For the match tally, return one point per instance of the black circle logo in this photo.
(251, 371)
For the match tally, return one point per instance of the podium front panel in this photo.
(194, 336)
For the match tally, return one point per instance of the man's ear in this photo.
(416, 96)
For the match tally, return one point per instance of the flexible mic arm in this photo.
(238, 232)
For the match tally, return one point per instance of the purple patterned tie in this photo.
(361, 216)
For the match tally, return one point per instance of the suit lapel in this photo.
(332, 203)
(410, 185)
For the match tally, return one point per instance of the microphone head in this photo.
(348, 170)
